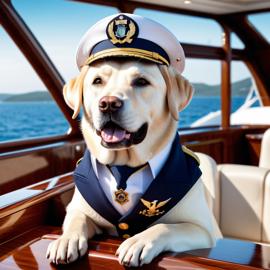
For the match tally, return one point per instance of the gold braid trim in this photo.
(191, 153)
(79, 161)
(152, 56)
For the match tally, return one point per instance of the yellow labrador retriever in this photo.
(144, 100)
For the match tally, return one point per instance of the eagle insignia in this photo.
(122, 29)
(152, 208)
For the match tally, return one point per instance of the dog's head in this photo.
(130, 108)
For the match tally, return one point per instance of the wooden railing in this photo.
(36, 205)
(227, 254)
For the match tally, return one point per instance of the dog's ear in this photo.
(73, 92)
(179, 90)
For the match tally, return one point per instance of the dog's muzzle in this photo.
(112, 134)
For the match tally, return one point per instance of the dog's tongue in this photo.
(113, 135)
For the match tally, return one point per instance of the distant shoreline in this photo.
(239, 89)
(52, 101)
(36, 96)
(27, 101)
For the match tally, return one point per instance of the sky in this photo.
(58, 25)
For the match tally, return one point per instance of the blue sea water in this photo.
(23, 120)
(201, 106)
(40, 119)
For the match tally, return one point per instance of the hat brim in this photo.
(127, 52)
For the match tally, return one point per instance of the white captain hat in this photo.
(130, 35)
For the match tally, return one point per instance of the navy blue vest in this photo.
(175, 179)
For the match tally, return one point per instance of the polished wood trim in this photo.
(234, 254)
(255, 137)
(257, 51)
(61, 184)
(42, 203)
(238, 55)
(226, 79)
(21, 221)
(203, 51)
(254, 146)
(227, 254)
(37, 57)
(211, 52)
(262, 88)
(6, 148)
(223, 150)
(213, 147)
(14, 148)
(23, 167)
(25, 238)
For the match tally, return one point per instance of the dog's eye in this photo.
(97, 80)
(140, 82)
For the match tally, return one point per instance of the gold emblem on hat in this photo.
(152, 208)
(122, 30)
(121, 196)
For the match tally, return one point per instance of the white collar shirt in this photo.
(137, 183)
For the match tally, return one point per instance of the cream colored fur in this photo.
(169, 91)
(189, 224)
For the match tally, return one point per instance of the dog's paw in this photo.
(142, 248)
(67, 249)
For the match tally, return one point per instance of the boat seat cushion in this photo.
(242, 201)
(265, 150)
(208, 167)
(239, 196)
(266, 211)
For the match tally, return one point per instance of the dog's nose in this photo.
(109, 104)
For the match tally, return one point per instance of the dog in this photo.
(131, 107)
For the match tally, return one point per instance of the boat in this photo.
(36, 180)
(246, 114)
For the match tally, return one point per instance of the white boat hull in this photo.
(247, 116)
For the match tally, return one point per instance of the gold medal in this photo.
(121, 196)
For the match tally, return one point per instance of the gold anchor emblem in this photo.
(153, 208)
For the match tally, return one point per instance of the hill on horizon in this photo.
(5, 96)
(239, 88)
(27, 97)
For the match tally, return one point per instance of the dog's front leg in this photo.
(142, 248)
(77, 229)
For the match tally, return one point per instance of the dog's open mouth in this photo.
(114, 136)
